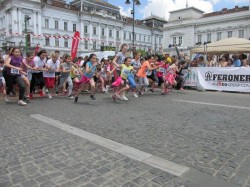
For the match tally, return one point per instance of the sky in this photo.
(163, 7)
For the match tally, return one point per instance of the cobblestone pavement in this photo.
(212, 139)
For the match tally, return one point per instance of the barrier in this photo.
(235, 79)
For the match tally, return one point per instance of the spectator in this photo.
(236, 61)
(201, 62)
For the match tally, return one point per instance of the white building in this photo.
(190, 27)
(51, 25)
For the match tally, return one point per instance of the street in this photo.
(206, 134)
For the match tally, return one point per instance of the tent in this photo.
(228, 45)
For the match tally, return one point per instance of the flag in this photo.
(75, 43)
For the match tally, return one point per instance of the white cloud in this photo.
(163, 7)
(125, 12)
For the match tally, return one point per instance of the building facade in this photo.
(190, 27)
(51, 24)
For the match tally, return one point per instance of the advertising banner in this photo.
(190, 77)
(75, 43)
(225, 79)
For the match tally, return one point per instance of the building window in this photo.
(209, 37)
(148, 38)
(134, 36)
(139, 37)
(28, 20)
(74, 27)
(46, 23)
(199, 38)
(56, 24)
(103, 32)
(218, 36)
(103, 44)
(65, 26)
(85, 29)
(86, 44)
(47, 42)
(110, 33)
(110, 44)
(124, 35)
(174, 40)
(180, 40)
(241, 33)
(117, 34)
(130, 36)
(94, 45)
(160, 40)
(144, 38)
(94, 30)
(66, 42)
(57, 42)
(230, 34)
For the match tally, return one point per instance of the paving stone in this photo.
(29, 183)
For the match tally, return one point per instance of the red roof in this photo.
(227, 11)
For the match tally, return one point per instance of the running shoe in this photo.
(124, 98)
(135, 94)
(22, 103)
(56, 93)
(41, 93)
(92, 97)
(151, 90)
(70, 96)
(76, 99)
(181, 89)
(118, 96)
(6, 98)
(50, 96)
(163, 93)
(140, 93)
(107, 89)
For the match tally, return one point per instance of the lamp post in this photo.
(135, 2)
(26, 19)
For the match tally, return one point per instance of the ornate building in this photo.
(51, 24)
(190, 27)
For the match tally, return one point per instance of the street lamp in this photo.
(26, 19)
(135, 2)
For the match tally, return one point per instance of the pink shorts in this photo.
(117, 82)
(170, 78)
(85, 79)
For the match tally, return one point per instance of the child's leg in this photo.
(27, 85)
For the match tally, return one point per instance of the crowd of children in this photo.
(51, 74)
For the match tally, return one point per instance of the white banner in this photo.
(190, 77)
(224, 79)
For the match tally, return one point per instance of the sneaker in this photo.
(70, 96)
(124, 98)
(107, 89)
(151, 90)
(118, 96)
(56, 93)
(163, 93)
(50, 96)
(140, 93)
(46, 90)
(181, 89)
(22, 103)
(92, 97)
(6, 98)
(26, 98)
(41, 93)
(135, 94)
(76, 99)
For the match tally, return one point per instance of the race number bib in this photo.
(162, 70)
(14, 71)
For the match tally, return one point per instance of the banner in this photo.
(190, 77)
(224, 79)
(75, 43)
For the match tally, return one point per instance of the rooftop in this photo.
(226, 11)
(98, 2)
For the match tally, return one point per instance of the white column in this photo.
(107, 37)
(99, 35)
(122, 36)
(39, 18)
(91, 34)
(14, 20)
(114, 30)
(7, 22)
(34, 23)
(82, 29)
(20, 23)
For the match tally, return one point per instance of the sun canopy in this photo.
(228, 45)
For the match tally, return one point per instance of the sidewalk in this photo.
(33, 153)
